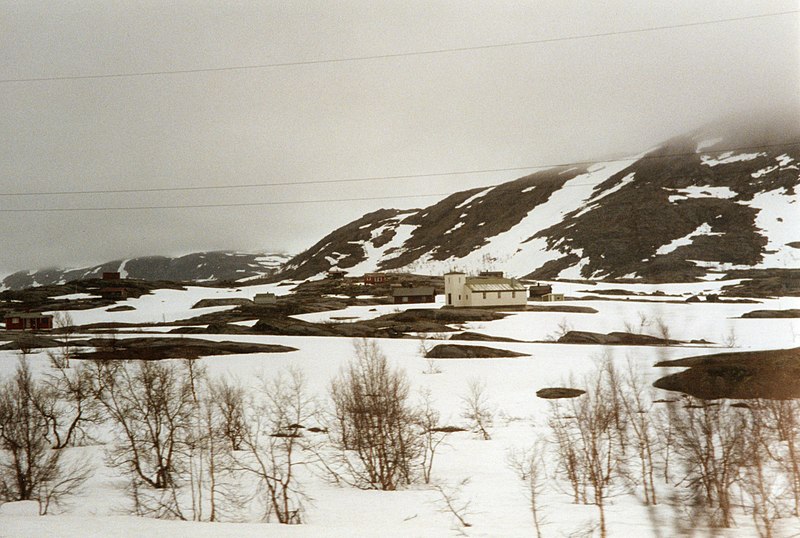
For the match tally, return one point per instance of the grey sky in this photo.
(470, 110)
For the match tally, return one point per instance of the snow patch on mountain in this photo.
(779, 220)
(703, 229)
(729, 157)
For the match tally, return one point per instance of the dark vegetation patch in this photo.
(615, 338)
(448, 429)
(633, 222)
(764, 283)
(772, 374)
(443, 315)
(477, 337)
(41, 298)
(456, 351)
(555, 393)
(561, 308)
(793, 244)
(480, 219)
(790, 313)
(120, 308)
(228, 301)
(171, 348)
(340, 244)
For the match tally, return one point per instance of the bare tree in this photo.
(229, 400)
(452, 501)
(151, 405)
(373, 425)
(432, 436)
(475, 408)
(784, 416)
(758, 479)
(69, 404)
(709, 438)
(589, 441)
(29, 468)
(638, 409)
(274, 445)
(529, 465)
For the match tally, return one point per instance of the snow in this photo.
(514, 250)
(374, 255)
(167, 305)
(622, 183)
(779, 212)
(728, 157)
(708, 143)
(474, 197)
(703, 229)
(75, 296)
(498, 502)
(701, 191)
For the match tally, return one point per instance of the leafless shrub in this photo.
(69, 404)
(662, 329)
(373, 423)
(476, 408)
(709, 441)
(29, 468)
(428, 422)
(784, 416)
(452, 501)
(638, 408)
(529, 465)
(759, 481)
(588, 441)
(228, 401)
(274, 446)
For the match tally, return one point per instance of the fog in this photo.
(218, 94)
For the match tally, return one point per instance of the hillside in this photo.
(197, 267)
(689, 207)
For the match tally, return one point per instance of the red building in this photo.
(28, 321)
(110, 275)
(375, 278)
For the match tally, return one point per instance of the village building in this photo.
(28, 321)
(543, 293)
(114, 293)
(375, 278)
(111, 275)
(422, 294)
(477, 291)
(334, 273)
(265, 298)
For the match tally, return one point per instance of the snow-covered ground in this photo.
(498, 503)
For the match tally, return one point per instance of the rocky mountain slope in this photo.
(696, 204)
(197, 267)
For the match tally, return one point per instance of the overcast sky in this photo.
(469, 109)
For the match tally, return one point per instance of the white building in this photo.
(476, 291)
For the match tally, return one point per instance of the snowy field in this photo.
(498, 505)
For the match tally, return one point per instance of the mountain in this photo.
(197, 267)
(697, 204)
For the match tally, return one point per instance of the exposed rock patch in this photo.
(555, 393)
(773, 374)
(456, 351)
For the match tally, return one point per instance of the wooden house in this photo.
(28, 321)
(422, 294)
(265, 298)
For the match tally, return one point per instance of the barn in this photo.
(422, 294)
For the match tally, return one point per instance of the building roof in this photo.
(408, 292)
(27, 315)
(493, 284)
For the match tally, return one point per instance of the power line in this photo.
(387, 178)
(197, 206)
(400, 54)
